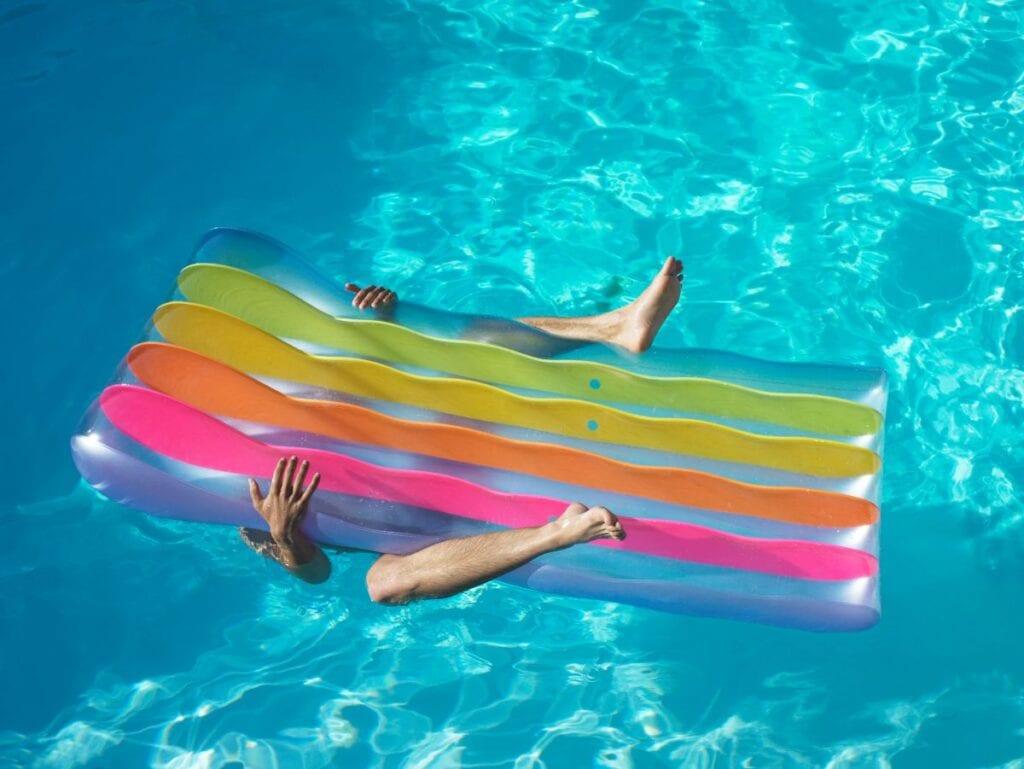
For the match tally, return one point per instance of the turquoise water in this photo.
(843, 181)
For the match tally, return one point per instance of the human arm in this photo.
(283, 508)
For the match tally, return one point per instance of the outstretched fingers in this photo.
(299, 480)
(287, 483)
(301, 504)
(254, 493)
(304, 498)
(288, 486)
(277, 479)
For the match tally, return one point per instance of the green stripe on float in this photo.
(281, 313)
(240, 345)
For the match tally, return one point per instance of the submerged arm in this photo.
(303, 559)
(283, 508)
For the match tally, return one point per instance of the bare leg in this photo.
(454, 565)
(633, 326)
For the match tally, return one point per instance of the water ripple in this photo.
(843, 181)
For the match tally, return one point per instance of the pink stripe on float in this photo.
(181, 432)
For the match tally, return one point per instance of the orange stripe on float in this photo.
(216, 388)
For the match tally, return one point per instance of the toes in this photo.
(614, 532)
(672, 268)
(607, 516)
(612, 526)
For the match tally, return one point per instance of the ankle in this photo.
(555, 536)
(634, 335)
(616, 326)
(641, 338)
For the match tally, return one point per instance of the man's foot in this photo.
(580, 524)
(641, 320)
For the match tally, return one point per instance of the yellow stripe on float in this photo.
(281, 313)
(223, 337)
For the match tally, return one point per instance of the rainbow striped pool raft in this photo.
(748, 489)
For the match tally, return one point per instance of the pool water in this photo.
(843, 181)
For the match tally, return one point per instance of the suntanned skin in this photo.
(436, 571)
(633, 326)
(455, 565)
(283, 508)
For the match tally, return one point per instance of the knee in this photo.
(385, 585)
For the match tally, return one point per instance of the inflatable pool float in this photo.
(748, 489)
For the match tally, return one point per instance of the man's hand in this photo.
(283, 509)
(372, 297)
(285, 504)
